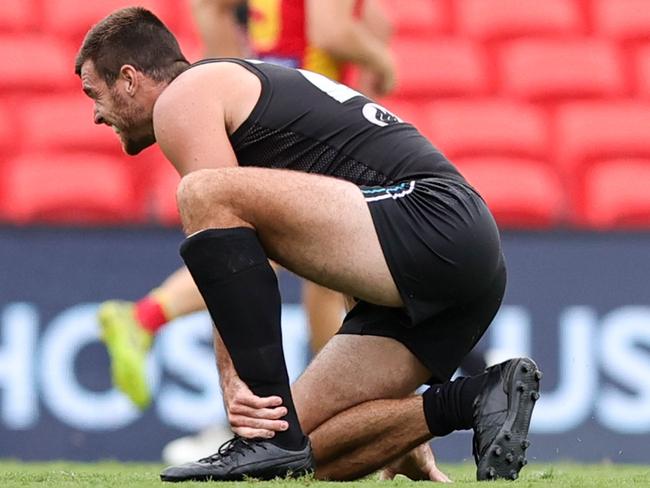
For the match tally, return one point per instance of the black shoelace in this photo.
(235, 446)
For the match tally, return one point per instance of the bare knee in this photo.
(205, 200)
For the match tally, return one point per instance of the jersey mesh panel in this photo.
(306, 155)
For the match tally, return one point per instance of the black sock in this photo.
(449, 406)
(241, 292)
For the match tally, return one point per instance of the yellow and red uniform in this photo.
(277, 32)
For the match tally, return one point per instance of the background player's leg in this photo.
(325, 309)
(128, 329)
(316, 226)
(179, 294)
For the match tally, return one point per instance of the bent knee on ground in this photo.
(351, 370)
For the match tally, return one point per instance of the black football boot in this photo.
(241, 458)
(502, 413)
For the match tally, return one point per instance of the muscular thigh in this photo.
(316, 226)
(352, 369)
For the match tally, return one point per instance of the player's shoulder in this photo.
(202, 83)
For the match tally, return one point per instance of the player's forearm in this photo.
(334, 29)
(352, 42)
(179, 295)
(375, 19)
(218, 27)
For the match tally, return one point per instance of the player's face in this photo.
(113, 107)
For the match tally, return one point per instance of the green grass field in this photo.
(65, 474)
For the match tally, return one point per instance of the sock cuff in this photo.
(229, 250)
(232, 233)
(428, 404)
(150, 313)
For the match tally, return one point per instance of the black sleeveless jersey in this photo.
(306, 122)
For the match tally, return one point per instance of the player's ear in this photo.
(129, 77)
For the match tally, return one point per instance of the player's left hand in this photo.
(251, 416)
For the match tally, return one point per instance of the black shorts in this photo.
(443, 249)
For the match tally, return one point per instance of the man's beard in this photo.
(129, 120)
(135, 146)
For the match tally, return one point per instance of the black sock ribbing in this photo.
(450, 406)
(241, 292)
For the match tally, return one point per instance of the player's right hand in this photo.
(251, 416)
(382, 78)
(419, 464)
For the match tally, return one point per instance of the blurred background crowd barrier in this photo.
(543, 105)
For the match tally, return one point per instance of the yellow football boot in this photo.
(128, 345)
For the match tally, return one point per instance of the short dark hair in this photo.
(132, 36)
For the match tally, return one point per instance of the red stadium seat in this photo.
(162, 204)
(643, 71)
(622, 19)
(35, 62)
(493, 126)
(521, 193)
(192, 48)
(409, 111)
(590, 131)
(17, 15)
(72, 18)
(417, 17)
(587, 132)
(440, 67)
(7, 133)
(498, 19)
(81, 188)
(616, 195)
(551, 69)
(64, 122)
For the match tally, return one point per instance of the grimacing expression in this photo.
(115, 108)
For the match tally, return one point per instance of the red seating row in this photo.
(615, 193)
(518, 67)
(571, 136)
(480, 19)
(539, 70)
(418, 17)
(82, 187)
(87, 188)
(569, 140)
(500, 19)
(492, 20)
(581, 130)
(71, 19)
(622, 19)
(571, 144)
(36, 62)
(18, 15)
